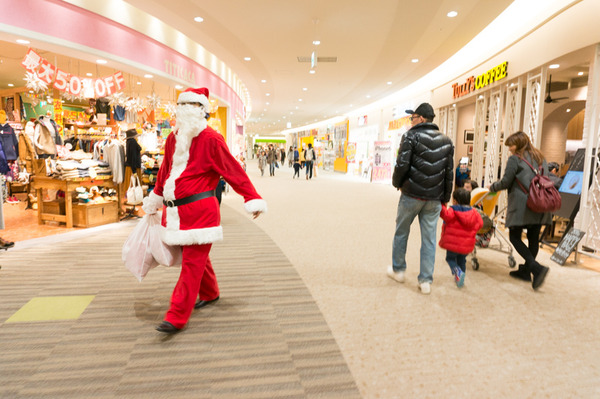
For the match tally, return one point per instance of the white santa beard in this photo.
(190, 123)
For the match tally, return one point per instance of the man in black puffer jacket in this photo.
(424, 172)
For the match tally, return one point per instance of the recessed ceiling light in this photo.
(101, 62)
(568, 109)
(580, 74)
(414, 60)
(368, 96)
(148, 76)
(389, 83)
(263, 81)
(247, 58)
(23, 41)
(198, 19)
(88, 74)
(139, 83)
(267, 103)
(316, 42)
(304, 88)
(554, 66)
(299, 99)
(297, 107)
(267, 94)
(11, 85)
(452, 14)
(312, 71)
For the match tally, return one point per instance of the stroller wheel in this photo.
(475, 263)
(511, 261)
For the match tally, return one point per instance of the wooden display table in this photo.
(68, 186)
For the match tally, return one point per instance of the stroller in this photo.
(485, 202)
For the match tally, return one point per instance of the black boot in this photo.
(523, 273)
(539, 275)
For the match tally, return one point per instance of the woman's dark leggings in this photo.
(533, 238)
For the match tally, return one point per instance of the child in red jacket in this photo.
(461, 223)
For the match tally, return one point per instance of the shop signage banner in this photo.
(475, 83)
(382, 162)
(351, 153)
(72, 84)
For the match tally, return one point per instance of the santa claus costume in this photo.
(196, 156)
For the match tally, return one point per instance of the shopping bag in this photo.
(135, 193)
(137, 251)
(163, 254)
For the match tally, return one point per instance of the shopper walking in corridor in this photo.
(195, 158)
(309, 157)
(271, 159)
(519, 173)
(461, 223)
(424, 173)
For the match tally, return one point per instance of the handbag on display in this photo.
(542, 196)
(135, 193)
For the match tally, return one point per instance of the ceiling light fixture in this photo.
(101, 62)
(389, 83)
(312, 71)
(304, 88)
(11, 85)
(452, 14)
(414, 60)
(263, 81)
(247, 58)
(568, 109)
(554, 66)
(580, 74)
(23, 41)
(179, 87)
(198, 19)
(148, 76)
(88, 74)
(139, 83)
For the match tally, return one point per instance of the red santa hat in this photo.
(191, 95)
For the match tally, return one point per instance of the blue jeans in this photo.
(429, 214)
(272, 168)
(456, 260)
(309, 167)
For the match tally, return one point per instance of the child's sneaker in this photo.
(459, 277)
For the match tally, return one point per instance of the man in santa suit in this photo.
(196, 156)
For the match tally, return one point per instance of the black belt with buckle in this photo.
(190, 199)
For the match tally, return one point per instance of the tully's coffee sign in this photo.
(475, 83)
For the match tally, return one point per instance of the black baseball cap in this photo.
(425, 110)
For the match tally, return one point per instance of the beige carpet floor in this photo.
(307, 279)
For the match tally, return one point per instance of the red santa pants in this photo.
(197, 278)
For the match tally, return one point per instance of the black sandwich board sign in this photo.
(566, 245)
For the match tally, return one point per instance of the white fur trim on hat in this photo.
(256, 205)
(191, 237)
(191, 97)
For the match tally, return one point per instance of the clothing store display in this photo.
(10, 143)
(44, 137)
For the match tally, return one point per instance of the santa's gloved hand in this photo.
(149, 206)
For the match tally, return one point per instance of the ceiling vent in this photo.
(319, 59)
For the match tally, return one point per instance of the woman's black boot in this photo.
(523, 273)
(539, 275)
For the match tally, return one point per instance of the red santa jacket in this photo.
(192, 165)
(461, 224)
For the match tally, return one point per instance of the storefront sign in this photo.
(180, 72)
(382, 162)
(475, 83)
(399, 123)
(72, 84)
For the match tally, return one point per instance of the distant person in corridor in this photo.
(424, 172)
(309, 158)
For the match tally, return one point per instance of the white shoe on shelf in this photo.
(397, 276)
(425, 288)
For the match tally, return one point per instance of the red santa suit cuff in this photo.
(256, 205)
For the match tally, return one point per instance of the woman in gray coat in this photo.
(518, 215)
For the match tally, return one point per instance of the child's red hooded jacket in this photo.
(461, 224)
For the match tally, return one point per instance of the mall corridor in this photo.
(306, 311)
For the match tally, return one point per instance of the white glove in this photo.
(152, 203)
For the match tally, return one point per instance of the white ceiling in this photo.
(374, 43)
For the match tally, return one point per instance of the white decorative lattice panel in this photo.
(480, 125)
